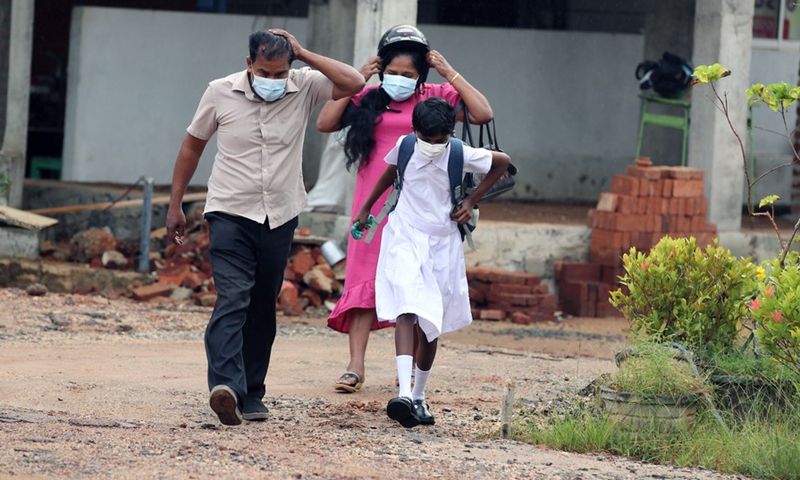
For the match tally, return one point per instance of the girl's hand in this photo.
(437, 61)
(463, 214)
(361, 222)
(372, 67)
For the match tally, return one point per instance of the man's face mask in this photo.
(269, 89)
(398, 87)
(431, 150)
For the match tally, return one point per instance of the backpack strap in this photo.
(459, 186)
(404, 153)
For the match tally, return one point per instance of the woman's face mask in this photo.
(398, 87)
(269, 89)
(431, 150)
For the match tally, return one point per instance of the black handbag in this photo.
(506, 182)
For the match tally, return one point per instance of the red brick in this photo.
(698, 223)
(511, 288)
(288, 297)
(587, 272)
(611, 274)
(608, 202)
(625, 185)
(686, 173)
(600, 219)
(496, 315)
(606, 256)
(476, 296)
(627, 204)
(302, 261)
(515, 299)
(541, 289)
(647, 188)
(668, 185)
(312, 296)
(521, 318)
(641, 205)
(173, 273)
(629, 223)
(606, 239)
(687, 188)
(650, 173)
(604, 309)
(153, 290)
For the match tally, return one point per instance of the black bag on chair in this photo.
(471, 180)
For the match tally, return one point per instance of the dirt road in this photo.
(97, 388)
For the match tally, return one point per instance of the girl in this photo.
(421, 280)
(377, 117)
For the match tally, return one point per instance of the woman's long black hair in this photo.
(360, 139)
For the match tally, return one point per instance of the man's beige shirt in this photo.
(257, 172)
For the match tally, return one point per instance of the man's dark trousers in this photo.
(248, 261)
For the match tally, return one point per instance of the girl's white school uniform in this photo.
(421, 266)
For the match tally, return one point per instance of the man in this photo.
(255, 193)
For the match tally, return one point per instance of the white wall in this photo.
(565, 103)
(134, 81)
(770, 146)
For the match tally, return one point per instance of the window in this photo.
(776, 20)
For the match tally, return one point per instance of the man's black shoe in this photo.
(253, 409)
(225, 404)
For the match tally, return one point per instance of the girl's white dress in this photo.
(421, 266)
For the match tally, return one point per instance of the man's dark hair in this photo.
(434, 116)
(269, 46)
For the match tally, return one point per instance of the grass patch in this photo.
(762, 445)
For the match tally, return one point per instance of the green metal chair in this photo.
(41, 164)
(679, 122)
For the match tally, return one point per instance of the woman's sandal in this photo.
(349, 382)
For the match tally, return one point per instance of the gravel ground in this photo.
(99, 388)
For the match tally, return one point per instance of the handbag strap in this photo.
(466, 127)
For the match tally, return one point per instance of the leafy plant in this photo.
(779, 97)
(776, 312)
(5, 183)
(680, 292)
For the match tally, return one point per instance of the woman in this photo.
(377, 117)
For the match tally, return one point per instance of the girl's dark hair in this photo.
(434, 116)
(360, 139)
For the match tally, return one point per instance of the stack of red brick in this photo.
(644, 205)
(519, 297)
(308, 279)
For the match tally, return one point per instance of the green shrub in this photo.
(776, 313)
(680, 292)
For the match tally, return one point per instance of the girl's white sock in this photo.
(420, 381)
(404, 363)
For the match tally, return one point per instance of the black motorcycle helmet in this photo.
(407, 36)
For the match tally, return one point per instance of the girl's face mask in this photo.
(398, 87)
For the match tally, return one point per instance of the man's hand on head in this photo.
(297, 49)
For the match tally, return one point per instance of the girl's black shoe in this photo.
(402, 410)
(423, 412)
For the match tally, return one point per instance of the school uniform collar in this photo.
(439, 162)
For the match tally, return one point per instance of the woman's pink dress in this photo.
(362, 258)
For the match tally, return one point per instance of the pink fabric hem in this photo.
(360, 296)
